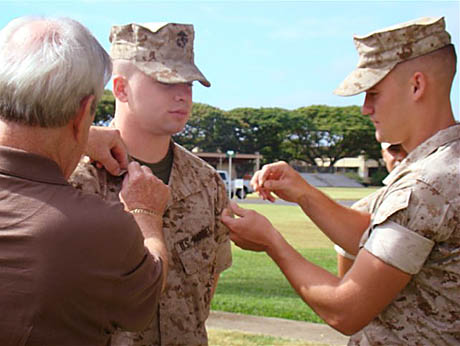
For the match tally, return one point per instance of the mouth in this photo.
(179, 112)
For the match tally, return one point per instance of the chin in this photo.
(172, 132)
(381, 137)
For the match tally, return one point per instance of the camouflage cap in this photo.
(380, 51)
(163, 51)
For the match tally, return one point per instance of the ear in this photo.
(418, 84)
(119, 87)
(84, 118)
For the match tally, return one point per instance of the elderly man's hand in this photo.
(143, 190)
(250, 231)
(107, 149)
(280, 179)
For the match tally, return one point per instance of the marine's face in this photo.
(384, 104)
(161, 108)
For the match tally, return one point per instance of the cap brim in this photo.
(173, 75)
(361, 79)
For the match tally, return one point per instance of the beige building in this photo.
(364, 168)
(358, 165)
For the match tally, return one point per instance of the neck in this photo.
(52, 143)
(430, 121)
(141, 143)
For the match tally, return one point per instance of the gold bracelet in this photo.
(143, 211)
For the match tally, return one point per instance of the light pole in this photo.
(230, 154)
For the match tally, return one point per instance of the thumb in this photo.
(228, 214)
(120, 155)
(273, 184)
(237, 209)
(112, 166)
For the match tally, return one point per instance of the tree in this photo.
(310, 134)
(105, 109)
(333, 133)
(210, 129)
(262, 130)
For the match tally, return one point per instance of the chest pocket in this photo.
(383, 207)
(391, 204)
(196, 251)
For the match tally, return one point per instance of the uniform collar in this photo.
(184, 179)
(442, 137)
(23, 164)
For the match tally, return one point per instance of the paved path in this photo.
(277, 327)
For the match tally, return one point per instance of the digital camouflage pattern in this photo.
(363, 205)
(422, 196)
(198, 246)
(163, 51)
(380, 51)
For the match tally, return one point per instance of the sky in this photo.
(286, 54)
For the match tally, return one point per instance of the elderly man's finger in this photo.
(111, 165)
(120, 154)
(147, 171)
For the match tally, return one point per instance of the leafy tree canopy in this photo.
(306, 134)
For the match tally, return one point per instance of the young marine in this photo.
(404, 286)
(152, 83)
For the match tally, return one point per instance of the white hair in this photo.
(47, 67)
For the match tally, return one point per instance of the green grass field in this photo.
(340, 193)
(254, 285)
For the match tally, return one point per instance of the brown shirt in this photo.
(73, 268)
(198, 246)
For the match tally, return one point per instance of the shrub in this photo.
(377, 177)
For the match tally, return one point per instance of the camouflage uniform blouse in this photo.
(198, 246)
(363, 205)
(415, 228)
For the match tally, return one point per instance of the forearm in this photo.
(325, 293)
(343, 225)
(152, 228)
(343, 265)
(339, 301)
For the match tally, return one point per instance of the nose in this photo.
(368, 107)
(183, 92)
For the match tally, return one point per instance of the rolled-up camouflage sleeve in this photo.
(86, 177)
(222, 234)
(407, 225)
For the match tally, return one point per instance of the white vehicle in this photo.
(239, 187)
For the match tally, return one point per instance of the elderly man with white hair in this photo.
(73, 268)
